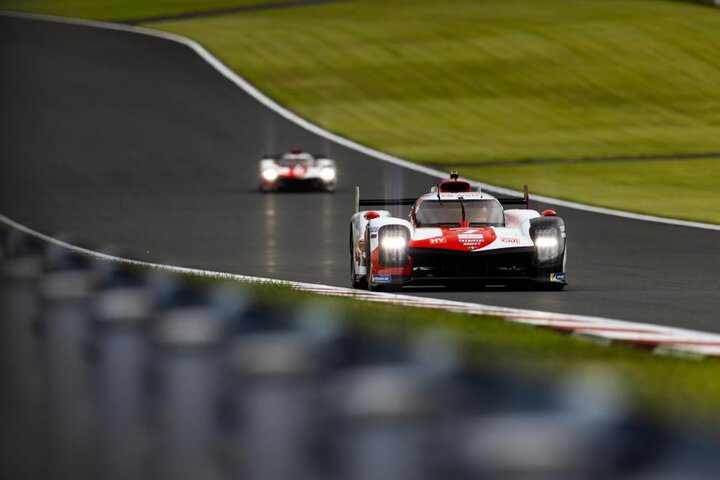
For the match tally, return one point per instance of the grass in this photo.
(443, 82)
(680, 189)
(676, 388)
(463, 81)
(121, 9)
(452, 83)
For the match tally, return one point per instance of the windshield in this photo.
(478, 213)
(290, 160)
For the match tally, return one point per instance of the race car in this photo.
(457, 233)
(297, 170)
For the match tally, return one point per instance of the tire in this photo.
(357, 284)
(368, 269)
(360, 284)
(383, 287)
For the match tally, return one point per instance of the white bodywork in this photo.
(305, 168)
(515, 234)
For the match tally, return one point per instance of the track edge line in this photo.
(254, 92)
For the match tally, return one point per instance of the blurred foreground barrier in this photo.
(66, 288)
(274, 390)
(110, 371)
(20, 389)
(120, 314)
(185, 360)
(384, 423)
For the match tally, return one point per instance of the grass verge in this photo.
(446, 82)
(442, 82)
(122, 9)
(464, 81)
(675, 388)
(681, 189)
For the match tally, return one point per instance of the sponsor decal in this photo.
(471, 235)
(511, 240)
(557, 277)
(438, 240)
(471, 239)
(382, 278)
(374, 229)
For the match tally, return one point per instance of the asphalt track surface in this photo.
(128, 140)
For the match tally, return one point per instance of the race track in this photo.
(135, 141)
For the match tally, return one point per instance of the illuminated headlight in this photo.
(327, 174)
(546, 245)
(393, 246)
(393, 243)
(269, 174)
(546, 242)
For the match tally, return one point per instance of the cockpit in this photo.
(456, 212)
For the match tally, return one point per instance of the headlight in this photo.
(547, 245)
(393, 246)
(393, 243)
(269, 174)
(327, 174)
(546, 242)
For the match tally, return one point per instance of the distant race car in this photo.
(457, 233)
(297, 170)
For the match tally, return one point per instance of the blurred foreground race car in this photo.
(457, 233)
(297, 170)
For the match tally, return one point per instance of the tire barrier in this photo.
(115, 371)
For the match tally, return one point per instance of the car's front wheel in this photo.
(355, 280)
(359, 282)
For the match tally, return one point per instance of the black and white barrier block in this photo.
(274, 395)
(66, 289)
(187, 349)
(118, 344)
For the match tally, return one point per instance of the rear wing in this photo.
(504, 200)
(510, 201)
(376, 202)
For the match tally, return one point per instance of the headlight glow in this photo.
(547, 245)
(393, 243)
(269, 174)
(327, 174)
(546, 242)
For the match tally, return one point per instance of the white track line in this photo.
(311, 127)
(661, 339)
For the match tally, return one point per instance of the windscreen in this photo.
(290, 160)
(447, 213)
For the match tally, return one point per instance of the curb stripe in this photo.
(671, 340)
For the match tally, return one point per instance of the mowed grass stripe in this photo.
(123, 9)
(453, 83)
(559, 88)
(659, 187)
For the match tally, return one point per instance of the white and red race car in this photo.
(454, 233)
(297, 170)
